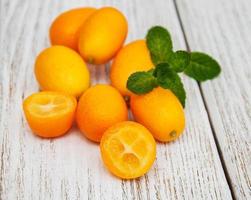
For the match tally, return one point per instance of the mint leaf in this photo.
(141, 82)
(169, 79)
(202, 67)
(159, 43)
(179, 60)
(151, 71)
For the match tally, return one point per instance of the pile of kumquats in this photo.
(144, 77)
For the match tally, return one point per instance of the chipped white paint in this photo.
(70, 167)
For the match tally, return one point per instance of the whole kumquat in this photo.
(59, 68)
(65, 28)
(102, 35)
(161, 112)
(131, 58)
(100, 107)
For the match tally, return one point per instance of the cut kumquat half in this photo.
(128, 149)
(50, 114)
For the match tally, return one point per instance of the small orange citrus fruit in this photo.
(59, 68)
(49, 114)
(102, 35)
(100, 107)
(161, 112)
(128, 149)
(131, 58)
(65, 28)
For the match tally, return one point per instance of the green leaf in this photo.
(159, 43)
(151, 71)
(141, 82)
(169, 79)
(179, 60)
(202, 67)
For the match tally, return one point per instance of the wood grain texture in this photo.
(222, 28)
(70, 167)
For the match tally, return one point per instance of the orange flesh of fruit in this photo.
(49, 114)
(128, 150)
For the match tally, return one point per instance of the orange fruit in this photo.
(131, 58)
(102, 35)
(100, 107)
(49, 114)
(128, 149)
(59, 68)
(161, 112)
(64, 29)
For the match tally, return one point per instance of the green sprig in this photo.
(168, 64)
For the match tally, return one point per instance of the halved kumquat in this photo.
(128, 149)
(50, 114)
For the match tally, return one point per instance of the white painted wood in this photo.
(222, 28)
(70, 167)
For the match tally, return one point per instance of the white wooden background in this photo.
(212, 160)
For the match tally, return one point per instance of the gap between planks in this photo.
(206, 108)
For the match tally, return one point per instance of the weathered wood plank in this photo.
(70, 167)
(222, 28)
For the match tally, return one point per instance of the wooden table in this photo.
(212, 160)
